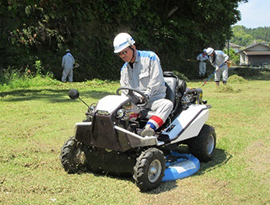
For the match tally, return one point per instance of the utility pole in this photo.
(228, 48)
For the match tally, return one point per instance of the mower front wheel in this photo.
(149, 169)
(72, 156)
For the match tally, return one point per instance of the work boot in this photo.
(147, 131)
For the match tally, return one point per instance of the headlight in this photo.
(92, 108)
(103, 112)
(120, 113)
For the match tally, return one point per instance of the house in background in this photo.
(233, 46)
(256, 55)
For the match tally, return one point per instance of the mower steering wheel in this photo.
(134, 98)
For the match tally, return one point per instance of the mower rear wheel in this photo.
(149, 169)
(203, 146)
(72, 156)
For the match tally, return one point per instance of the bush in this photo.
(12, 78)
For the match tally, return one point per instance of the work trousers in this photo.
(222, 71)
(67, 73)
(202, 68)
(162, 109)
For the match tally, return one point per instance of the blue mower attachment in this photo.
(180, 166)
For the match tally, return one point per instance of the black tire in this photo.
(72, 156)
(203, 146)
(149, 169)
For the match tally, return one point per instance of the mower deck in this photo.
(180, 166)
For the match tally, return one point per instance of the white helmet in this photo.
(209, 51)
(204, 50)
(122, 41)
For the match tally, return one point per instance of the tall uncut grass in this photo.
(12, 79)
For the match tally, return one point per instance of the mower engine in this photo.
(191, 96)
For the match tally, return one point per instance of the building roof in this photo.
(257, 53)
(232, 45)
(253, 45)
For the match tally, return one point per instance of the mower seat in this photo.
(171, 87)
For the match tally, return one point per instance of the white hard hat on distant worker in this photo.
(122, 41)
(209, 51)
(204, 50)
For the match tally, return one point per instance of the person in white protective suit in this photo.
(67, 65)
(202, 58)
(219, 60)
(142, 71)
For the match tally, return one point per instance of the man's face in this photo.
(126, 54)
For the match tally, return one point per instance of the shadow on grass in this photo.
(50, 95)
(220, 158)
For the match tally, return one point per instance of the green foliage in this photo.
(181, 76)
(234, 57)
(40, 30)
(15, 79)
(246, 36)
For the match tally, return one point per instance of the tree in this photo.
(246, 36)
(175, 30)
(234, 57)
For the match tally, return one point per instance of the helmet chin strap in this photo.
(133, 55)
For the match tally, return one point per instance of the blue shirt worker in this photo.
(202, 58)
(219, 60)
(142, 71)
(67, 65)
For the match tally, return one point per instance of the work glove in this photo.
(217, 67)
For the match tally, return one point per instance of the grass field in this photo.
(36, 121)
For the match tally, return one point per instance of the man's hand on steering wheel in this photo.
(136, 96)
(144, 98)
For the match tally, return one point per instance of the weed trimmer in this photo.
(210, 76)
